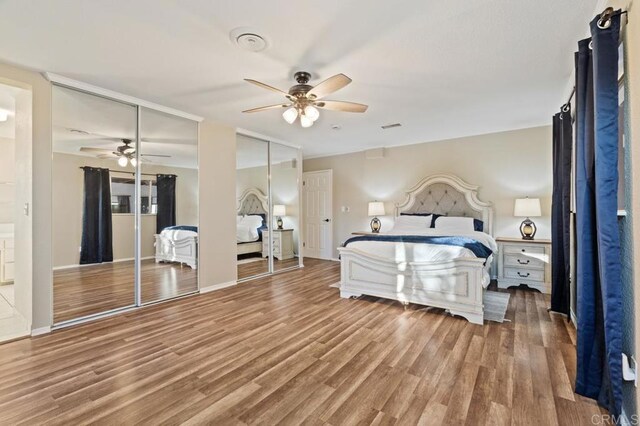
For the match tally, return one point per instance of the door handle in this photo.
(327, 220)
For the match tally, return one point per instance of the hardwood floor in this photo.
(286, 349)
(256, 266)
(93, 289)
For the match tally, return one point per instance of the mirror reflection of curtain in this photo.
(96, 246)
(166, 202)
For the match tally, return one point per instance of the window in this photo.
(123, 196)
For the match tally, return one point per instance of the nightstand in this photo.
(365, 233)
(282, 244)
(524, 262)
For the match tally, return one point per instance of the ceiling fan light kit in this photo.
(305, 99)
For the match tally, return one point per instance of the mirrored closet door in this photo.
(93, 205)
(252, 207)
(285, 206)
(125, 205)
(168, 205)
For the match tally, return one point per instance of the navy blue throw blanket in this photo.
(479, 249)
(181, 228)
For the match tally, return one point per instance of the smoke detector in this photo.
(248, 39)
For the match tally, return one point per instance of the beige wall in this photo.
(505, 165)
(68, 189)
(632, 40)
(33, 255)
(217, 237)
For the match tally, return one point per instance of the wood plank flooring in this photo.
(261, 266)
(286, 349)
(87, 290)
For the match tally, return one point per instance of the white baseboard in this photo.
(41, 330)
(217, 287)
(128, 259)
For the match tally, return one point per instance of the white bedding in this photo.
(422, 252)
(246, 233)
(177, 234)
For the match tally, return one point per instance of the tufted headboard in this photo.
(252, 201)
(447, 195)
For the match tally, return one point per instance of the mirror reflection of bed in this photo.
(93, 148)
(261, 228)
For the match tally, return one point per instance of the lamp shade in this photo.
(279, 210)
(376, 208)
(527, 207)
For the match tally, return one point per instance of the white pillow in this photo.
(239, 219)
(411, 224)
(454, 224)
(414, 221)
(252, 220)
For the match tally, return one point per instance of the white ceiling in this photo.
(103, 123)
(441, 68)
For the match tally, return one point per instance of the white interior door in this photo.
(317, 194)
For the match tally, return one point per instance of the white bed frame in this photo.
(184, 250)
(252, 201)
(454, 285)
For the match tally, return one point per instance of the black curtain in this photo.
(96, 245)
(166, 216)
(561, 211)
(598, 277)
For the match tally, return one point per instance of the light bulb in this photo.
(4, 115)
(306, 121)
(122, 161)
(133, 162)
(311, 112)
(290, 115)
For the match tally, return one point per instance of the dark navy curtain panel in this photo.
(561, 211)
(166, 191)
(599, 299)
(96, 244)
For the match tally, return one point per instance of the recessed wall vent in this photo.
(390, 126)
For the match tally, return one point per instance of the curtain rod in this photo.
(605, 17)
(119, 171)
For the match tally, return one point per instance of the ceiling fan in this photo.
(125, 153)
(304, 99)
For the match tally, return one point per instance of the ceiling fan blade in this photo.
(328, 86)
(155, 155)
(266, 86)
(265, 108)
(94, 150)
(342, 106)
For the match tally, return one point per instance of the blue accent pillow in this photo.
(478, 225)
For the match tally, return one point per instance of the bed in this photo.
(252, 202)
(177, 244)
(423, 267)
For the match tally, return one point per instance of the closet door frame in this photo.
(138, 104)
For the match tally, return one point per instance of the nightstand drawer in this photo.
(524, 274)
(522, 248)
(521, 260)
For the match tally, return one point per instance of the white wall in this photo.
(7, 179)
(68, 190)
(505, 165)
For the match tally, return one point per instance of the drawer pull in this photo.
(523, 263)
(520, 274)
(523, 250)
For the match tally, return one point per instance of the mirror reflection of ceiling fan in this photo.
(125, 153)
(304, 100)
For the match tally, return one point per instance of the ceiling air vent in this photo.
(390, 126)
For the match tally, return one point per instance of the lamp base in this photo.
(279, 222)
(528, 229)
(375, 225)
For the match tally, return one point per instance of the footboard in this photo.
(455, 285)
(184, 250)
